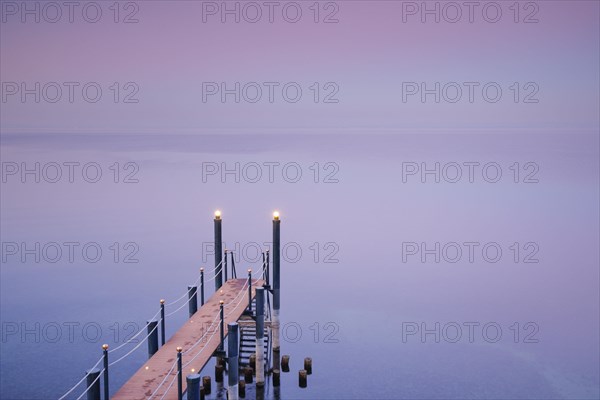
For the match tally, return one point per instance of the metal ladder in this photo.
(248, 338)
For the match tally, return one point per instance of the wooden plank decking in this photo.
(145, 381)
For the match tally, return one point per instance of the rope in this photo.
(82, 379)
(92, 384)
(186, 294)
(136, 335)
(169, 388)
(194, 284)
(163, 381)
(202, 337)
(135, 348)
(180, 307)
(217, 316)
(260, 272)
(199, 352)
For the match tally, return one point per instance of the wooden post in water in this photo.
(285, 363)
(302, 378)
(218, 251)
(248, 372)
(219, 369)
(308, 365)
(206, 384)
(242, 388)
(260, 328)
(232, 359)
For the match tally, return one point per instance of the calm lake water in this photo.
(506, 306)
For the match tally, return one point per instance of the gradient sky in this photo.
(369, 53)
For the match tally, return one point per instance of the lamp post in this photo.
(218, 251)
(276, 281)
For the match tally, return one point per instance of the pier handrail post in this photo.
(233, 271)
(221, 326)
(233, 360)
(162, 322)
(201, 286)
(268, 269)
(218, 251)
(250, 290)
(225, 267)
(179, 375)
(105, 354)
(193, 300)
(93, 384)
(260, 328)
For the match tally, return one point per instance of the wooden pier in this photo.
(175, 368)
(149, 377)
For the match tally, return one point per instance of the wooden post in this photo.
(285, 363)
(206, 384)
(248, 374)
(302, 381)
(276, 378)
(219, 373)
(242, 388)
(308, 365)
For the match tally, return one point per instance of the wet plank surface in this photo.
(199, 337)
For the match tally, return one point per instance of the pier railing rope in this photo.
(131, 339)
(260, 272)
(209, 329)
(135, 348)
(169, 387)
(163, 381)
(240, 295)
(91, 384)
(186, 293)
(81, 381)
